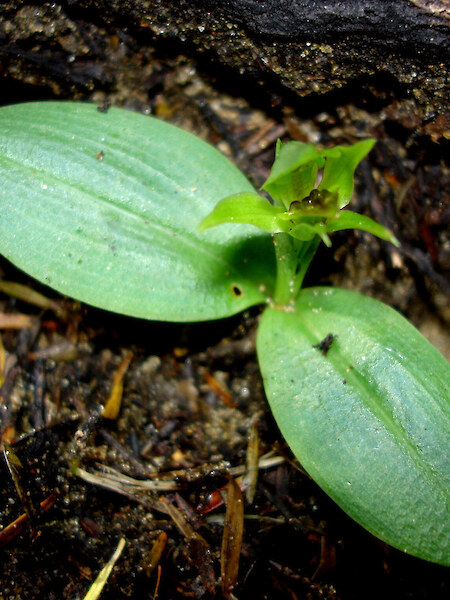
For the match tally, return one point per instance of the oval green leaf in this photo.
(366, 410)
(105, 207)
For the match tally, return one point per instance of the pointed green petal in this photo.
(340, 168)
(347, 219)
(248, 208)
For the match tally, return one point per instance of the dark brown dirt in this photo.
(297, 543)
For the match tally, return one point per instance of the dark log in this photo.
(311, 48)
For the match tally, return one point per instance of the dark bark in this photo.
(309, 47)
(402, 26)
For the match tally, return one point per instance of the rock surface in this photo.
(317, 47)
(311, 48)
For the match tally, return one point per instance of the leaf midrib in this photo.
(367, 392)
(188, 238)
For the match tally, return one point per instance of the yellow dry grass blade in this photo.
(96, 588)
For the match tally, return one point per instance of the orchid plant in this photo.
(133, 215)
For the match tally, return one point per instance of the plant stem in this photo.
(293, 259)
(304, 260)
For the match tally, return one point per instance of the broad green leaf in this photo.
(105, 207)
(369, 419)
(347, 219)
(247, 208)
(340, 166)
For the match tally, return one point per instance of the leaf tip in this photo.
(205, 223)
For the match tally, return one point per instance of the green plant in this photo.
(112, 208)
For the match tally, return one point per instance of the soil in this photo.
(193, 393)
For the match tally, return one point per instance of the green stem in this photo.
(293, 259)
(286, 256)
(304, 260)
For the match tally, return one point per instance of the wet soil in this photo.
(189, 404)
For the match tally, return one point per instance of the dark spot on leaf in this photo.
(104, 107)
(236, 290)
(325, 344)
